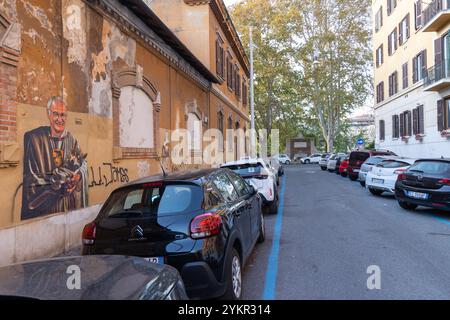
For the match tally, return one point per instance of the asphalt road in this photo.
(331, 230)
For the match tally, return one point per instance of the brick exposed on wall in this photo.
(8, 104)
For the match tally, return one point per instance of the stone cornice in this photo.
(123, 17)
(225, 100)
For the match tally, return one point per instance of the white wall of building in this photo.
(433, 144)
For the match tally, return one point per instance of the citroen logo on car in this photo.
(420, 177)
(137, 233)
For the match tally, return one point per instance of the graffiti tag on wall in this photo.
(107, 174)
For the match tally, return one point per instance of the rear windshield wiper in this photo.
(127, 213)
(413, 170)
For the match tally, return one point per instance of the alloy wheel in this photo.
(236, 276)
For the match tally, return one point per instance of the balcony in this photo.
(436, 16)
(438, 77)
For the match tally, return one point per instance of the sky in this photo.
(230, 2)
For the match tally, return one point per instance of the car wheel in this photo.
(287, 162)
(234, 277)
(343, 175)
(407, 206)
(376, 192)
(307, 161)
(329, 170)
(323, 168)
(273, 207)
(363, 184)
(262, 229)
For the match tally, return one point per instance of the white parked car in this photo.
(383, 176)
(332, 161)
(258, 174)
(284, 159)
(323, 162)
(275, 163)
(314, 158)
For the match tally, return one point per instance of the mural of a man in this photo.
(55, 169)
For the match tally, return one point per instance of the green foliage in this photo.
(292, 93)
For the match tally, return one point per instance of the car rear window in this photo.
(247, 169)
(374, 160)
(153, 199)
(432, 167)
(359, 156)
(392, 164)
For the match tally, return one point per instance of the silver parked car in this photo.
(323, 162)
(368, 165)
(331, 165)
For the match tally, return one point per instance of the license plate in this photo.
(157, 260)
(381, 181)
(417, 195)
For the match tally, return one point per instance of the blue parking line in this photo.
(447, 222)
(272, 265)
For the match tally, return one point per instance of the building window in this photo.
(229, 72)
(244, 92)
(382, 130)
(136, 118)
(380, 92)
(379, 59)
(403, 30)
(238, 83)
(405, 75)
(220, 54)
(392, 42)
(379, 19)
(194, 127)
(419, 66)
(391, 5)
(443, 114)
(418, 120)
(418, 14)
(405, 124)
(220, 128)
(230, 134)
(393, 84)
(395, 126)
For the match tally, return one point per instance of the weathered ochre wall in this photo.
(71, 50)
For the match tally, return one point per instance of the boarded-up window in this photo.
(194, 126)
(135, 118)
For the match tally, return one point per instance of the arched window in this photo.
(194, 126)
(135, 118)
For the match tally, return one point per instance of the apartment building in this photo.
(412, 76)
(90, 91)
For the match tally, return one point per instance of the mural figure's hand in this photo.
(73, 182)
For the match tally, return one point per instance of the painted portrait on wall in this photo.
(55, 169)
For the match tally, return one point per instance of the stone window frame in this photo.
(8, 55)
(135, 78)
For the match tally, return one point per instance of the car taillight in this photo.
(401, 177)
(89, 233)
(206, 225)
(445, 181)
(399, 171)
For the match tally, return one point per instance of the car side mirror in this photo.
(253, 191)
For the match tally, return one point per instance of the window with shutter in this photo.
(421, 122)
(415, 75)
(423, 56)
(418, 14)
(408, 126)
(382, 130)
(405, 75)
(402, 125)
(415, 120)
(440, 115)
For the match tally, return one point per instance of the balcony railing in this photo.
(434, 16)
(438, 77)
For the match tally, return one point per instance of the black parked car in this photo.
(100, 278)
(425, 183)
(205, 223)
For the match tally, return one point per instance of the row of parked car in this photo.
(169, 236)
(414, 182)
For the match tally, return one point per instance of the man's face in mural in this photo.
(57, 116)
